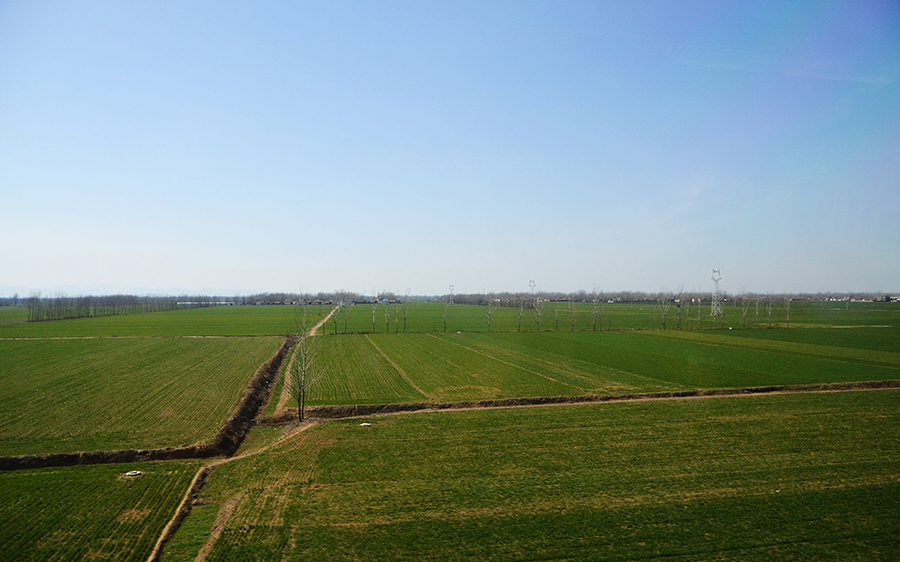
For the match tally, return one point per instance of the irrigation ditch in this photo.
(225, 443)
(352, 411)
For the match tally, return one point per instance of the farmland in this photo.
(88, 512)
(72, 395)
(441, 367)
(790, 477)
(783, 476)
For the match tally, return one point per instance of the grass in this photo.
(788, 477)
(89, 512)
(268, 320)
(106, 394)
(383, 368)
(423, 317)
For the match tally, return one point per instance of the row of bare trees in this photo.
(61, 306)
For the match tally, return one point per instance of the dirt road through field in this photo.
(285, 391)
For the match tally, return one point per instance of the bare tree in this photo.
(489, 309)
(699, 312)
(756, 314)
(787, 311)
(571, 314)
(596, 311)
(387, 318)
(769, 304)
(520, 303)
(304, 369)
(374, 310)
(679, 302)
(345, 314)
(744, 299)
(537, 312)
(663, 302)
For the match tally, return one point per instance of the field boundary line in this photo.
(397, 367)
(361, 410)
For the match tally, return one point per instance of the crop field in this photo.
(102, 394)
(384, 368)
(89, 512)
(420, 316)
(270, 320)
(799, 476)
(754, 478)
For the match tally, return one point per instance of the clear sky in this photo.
(230, 147)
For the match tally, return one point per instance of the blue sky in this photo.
(230, 147)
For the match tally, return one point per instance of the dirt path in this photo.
(285, 392)
(227, 508)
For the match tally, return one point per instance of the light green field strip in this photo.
(356, 372)
(448, 372)
(887, 359)
(581, 377)
(792, 476)
(694, 363)
(88, 512)
(105, 394)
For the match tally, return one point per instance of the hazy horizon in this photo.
(633, 146)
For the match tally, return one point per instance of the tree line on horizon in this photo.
(61, 306)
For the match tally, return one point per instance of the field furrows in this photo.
(584, 471)
(93, 512)
(80, 395)
(875, 358)
(584, 368)
(355, 372)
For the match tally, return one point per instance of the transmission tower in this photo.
(716, 310)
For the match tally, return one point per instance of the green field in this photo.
(752, 478)
(810, 476)
(103, 394)
(557, 317)
(386, 368)
(89, 512)
(268, 320)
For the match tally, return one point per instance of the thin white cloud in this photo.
(749, 60)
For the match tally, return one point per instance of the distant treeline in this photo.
(513, 299)
(62, 306)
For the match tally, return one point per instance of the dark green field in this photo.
(89, 512)
(752, 478)
(61, 396)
